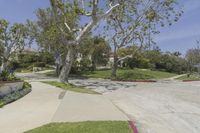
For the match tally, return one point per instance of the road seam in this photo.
(131, 122)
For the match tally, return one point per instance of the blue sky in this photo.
(183, 34)
(178, 37)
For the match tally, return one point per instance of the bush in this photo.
(26, 85)
(4, 76)
(85, 64)
(39, 64)
(7, 76)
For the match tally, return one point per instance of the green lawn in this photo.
(123, 74)
(193, 76)
(71, 87)
(85, 127)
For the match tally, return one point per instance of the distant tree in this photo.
(136, 57)
(172, 63)
(193, 58)
(12, 39)
(136, 20)
(95, 51)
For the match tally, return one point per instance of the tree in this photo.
(12, 39)
(79, 9)
(132, 57)
(95, 49)
(101, 52)
(48, 37)
(193, 58)
(135, 21)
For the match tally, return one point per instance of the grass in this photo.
(85, 127)
(1, 103)
(193, 76)
(71, 87)
(123, 74)
(127, 74)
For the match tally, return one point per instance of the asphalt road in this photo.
(161, 107)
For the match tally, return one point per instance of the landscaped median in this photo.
(11, 91)
(70, 87)
(129, 75)
(85, 127)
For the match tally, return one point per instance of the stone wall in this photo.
(9, 88)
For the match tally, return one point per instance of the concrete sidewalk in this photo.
(35, 109)
(85, 107)
(43, 105)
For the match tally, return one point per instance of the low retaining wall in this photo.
(9, 88)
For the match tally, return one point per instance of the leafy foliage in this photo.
(8, 76)
(93, 52)
(193, 58)
(12, 39)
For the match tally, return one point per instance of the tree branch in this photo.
(123, 58)
(109, 11)
(94, 20)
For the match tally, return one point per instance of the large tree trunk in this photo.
(57, 70)
(93, 65)
(114, 65)
(4, 65)
(67, 65)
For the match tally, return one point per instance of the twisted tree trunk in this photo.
(67, 65)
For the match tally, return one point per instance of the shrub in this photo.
(4, 76)
(39, 64)
(7, 76)
(85, 64)
(26, 85)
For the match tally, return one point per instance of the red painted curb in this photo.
(145, 81)
(133, 127)
(190, 80)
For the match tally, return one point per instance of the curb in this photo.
(190, 80)
(131, 123)
(133, 127)
(144, 81)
